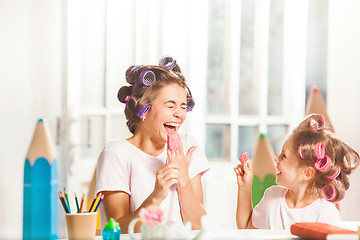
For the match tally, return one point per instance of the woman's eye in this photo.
(283, 156)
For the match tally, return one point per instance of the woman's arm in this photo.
(190, 191)
(191, 201)
(116, 203)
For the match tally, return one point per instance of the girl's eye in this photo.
(283, 156)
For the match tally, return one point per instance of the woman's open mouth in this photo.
(171, 127)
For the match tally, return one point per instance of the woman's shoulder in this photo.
(115, 144)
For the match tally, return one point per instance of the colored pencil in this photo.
(77, 203)
(82, 203)
(66, 196)
(92, 204)
(40, 187)
(96, 203)
(101, 198)
(63, 201)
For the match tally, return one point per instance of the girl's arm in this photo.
(244, 175)
(116, 203)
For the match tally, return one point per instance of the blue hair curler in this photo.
(167, 62)
(143, 111)
(128, 71)
(190, 104)
(147, 77)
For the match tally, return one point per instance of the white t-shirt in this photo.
(124, 167)
(273, 213)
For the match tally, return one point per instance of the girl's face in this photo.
(167, 113)
(287, 165)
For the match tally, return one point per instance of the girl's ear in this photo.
(308, 173)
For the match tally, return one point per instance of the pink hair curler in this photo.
(317, 122)
(190, 104)
(300, 152)
(244, 157)
(324, 164)
(320, 150)
(335, 174)
(167, 62)
(128, 71)
(328, 192)
(147, 77)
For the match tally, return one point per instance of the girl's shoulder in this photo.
(275, 190)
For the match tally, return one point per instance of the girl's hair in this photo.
(145, 82)
(332, 159)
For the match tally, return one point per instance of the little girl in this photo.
(313, 169)
(142, 171)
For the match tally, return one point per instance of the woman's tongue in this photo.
(169, 129)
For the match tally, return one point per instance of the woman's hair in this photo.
(332, 159)
(145, 82)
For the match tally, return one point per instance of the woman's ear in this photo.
(308, 173)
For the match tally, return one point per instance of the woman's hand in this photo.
(165, 177)
(244, 174)
(178, 157)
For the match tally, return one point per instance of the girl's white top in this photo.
(273, 213)
(124, 167)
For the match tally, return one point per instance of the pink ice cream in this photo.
(243, 157)
(173, 141)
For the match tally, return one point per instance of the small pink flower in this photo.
(151, 216)
(243, 157)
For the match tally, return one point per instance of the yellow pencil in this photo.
(95, 203)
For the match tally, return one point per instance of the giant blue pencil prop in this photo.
(40, 216)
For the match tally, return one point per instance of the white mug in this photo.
(169, 231)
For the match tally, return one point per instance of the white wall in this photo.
(30, 87)
(344, 86)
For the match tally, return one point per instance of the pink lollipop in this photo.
(173, 141)
(243, 157)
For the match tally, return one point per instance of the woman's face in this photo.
(167, 113)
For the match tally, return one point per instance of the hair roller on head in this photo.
(167, 62)
(335, 174)
(351, 160)
(328, 192)
(320, 150)
(323, 165)
(147, 77)
(143, 111)
(301, 153)
(127, 74)
(317, 122)
(190, 104)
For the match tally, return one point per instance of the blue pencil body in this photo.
(40, 217)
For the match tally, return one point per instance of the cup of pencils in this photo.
(80, 224)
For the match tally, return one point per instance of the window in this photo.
(245, 97)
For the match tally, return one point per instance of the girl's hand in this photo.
(165, 177)
(182, 161)
(244, 174)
